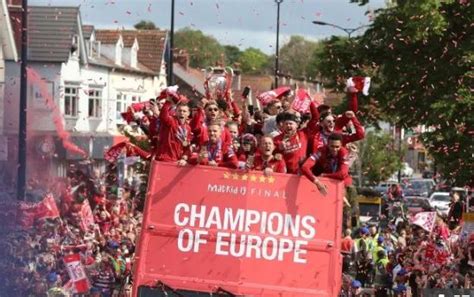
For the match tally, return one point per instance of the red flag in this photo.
(87, 218)
(76, 273)
(269, 96)
(28, 213)
(133, 108)
(130, 150)
(302, 101)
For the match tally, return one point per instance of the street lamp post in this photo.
(348, 31)
(277, 64)
(21, 173)
(171, 44)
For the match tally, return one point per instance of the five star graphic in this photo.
(251, 177)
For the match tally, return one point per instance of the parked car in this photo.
(416, 204)
(382, 188)
(422, 187)
(440, 201)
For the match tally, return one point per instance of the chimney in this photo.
(14, 9)
(182, 58)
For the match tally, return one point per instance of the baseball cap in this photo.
(364, 230)
(380, 239)
(356, 284)
(402, 272)
(52, 277)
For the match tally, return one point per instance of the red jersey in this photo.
(221, 153)
(199, 128)
(333, 167)
(293, 149)
(320, 138)
(175, 138)
(278, 166)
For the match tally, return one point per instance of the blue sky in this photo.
(243, 23)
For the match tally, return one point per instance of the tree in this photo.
(296, 56)
(379, 159)
(204, 50)
(232, 54)
(253, 61)
(419, 54)
(145, 25)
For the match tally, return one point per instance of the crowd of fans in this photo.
(405, 259)
(220, 130)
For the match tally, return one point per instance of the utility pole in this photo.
(171, 45)
(21, 173)
(277, 49)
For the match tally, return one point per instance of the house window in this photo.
(71, 100)
(120, 103)
(95, 102)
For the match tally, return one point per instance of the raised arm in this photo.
(165, 116)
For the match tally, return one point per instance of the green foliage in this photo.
(379, 158)
(204, 50)
(253, 61)
(337, 59)
(145, 25)
(296, 56)
(419, 55)
(232, 54)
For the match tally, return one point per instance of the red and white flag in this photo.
(302, 101)
(28, 213)
(425, 220)
(87, 218)
(76, 273)
(269, 96)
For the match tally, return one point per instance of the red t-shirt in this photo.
(175, 138)
(293, 149)
(336, 167)
(278, 166)
(347, 244)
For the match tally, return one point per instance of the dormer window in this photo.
(75, 46)
(118, 51)
(94, 47)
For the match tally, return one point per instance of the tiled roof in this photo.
(192, 77)
(50, 32)
(151, 44)
(87, 31)
(104, 61)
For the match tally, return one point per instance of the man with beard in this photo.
(292, 143)
(203, 117)
(175, 133)
(329, 161)
(215, 152)
(329, 124)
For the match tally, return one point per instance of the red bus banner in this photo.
(206, 229)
